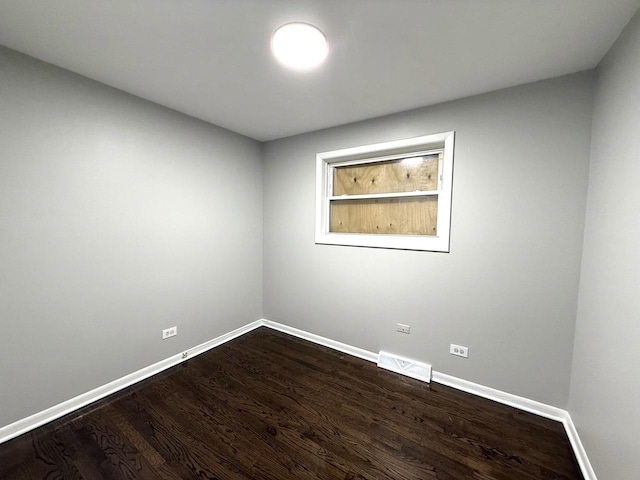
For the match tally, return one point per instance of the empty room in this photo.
(317, 239)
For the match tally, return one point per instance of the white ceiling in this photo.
(211, 58)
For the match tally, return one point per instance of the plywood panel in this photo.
(397, 216)
(405, 175)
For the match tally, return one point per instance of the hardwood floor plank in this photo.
(269, 406)
(418, 420)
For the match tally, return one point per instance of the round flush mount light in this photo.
(299, 45)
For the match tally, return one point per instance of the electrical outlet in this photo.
(403, 328)
(459, 351)
(169, 332)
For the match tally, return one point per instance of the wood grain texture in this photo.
(394, 176)
(270, 406)
(392, 216)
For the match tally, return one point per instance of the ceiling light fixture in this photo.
(299, 45)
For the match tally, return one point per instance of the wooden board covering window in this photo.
(394, 176)
(399, 216)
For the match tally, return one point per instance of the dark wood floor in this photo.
(270, 406)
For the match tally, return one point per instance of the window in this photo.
(388, 195)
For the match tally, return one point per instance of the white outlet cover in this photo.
(169, 332)
(402, 328)
(459, 350)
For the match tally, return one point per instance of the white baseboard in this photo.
(38, 419)
(327, 342)
(521, 403)
(578, 449)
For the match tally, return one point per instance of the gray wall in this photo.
(605, 384)
(507, 290)
(118, 218)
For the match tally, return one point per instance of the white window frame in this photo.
(327, 161)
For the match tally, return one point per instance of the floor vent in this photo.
(405, 366)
